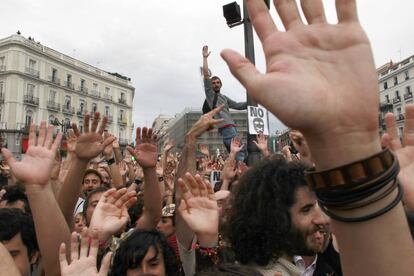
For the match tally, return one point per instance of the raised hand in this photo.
(205, 51)
(36, 166)
(199, 208)
(111, 213)
(204, 150)
(314, 76)
(90, 143)
(236, 145)
(261, 143)
(169, 145)
(83, 257)
(404, 151)
(145, 151)
(71, 141)
(205, 123)
(229, 170)
(300, 144)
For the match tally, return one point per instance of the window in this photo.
(385, 85)
(122, 96)
(67, 102)
(106, 111)
(80, 125)
(1, 87)
(399, 110)
(52, 96)
(2, 59)
(82, 106)
(121, 133)
(401, 131)
(66, 124)
(395, 80)
(32, 64)
(30, 90)
(54, 74)
(397, 94)
(407, 76)
(121, 114)
(387, 98)
(82, 85)
(94, 107)
(51, 119)
(408, 89)
(107, 90)
(29, 117)
(95, 87)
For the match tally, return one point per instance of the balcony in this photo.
(80, 113)
(408, 96)
(54, 80)
(69, 85)
(122, 101)
(399, 117)
(110, 119)
(51, 105)
(83, 90)
(1, 98)
(30, 100)
(3, 125)
(107, 97)
(33, 72)
(95, 93)
(69, 110)
(122, 121)
(396, 100)
(3, 68)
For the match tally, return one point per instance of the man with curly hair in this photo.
(276, 224)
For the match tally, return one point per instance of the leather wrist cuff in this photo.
(352, 175)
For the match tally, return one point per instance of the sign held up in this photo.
(258, 122)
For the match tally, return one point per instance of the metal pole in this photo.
(252, 150)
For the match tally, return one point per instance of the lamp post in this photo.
(233, 18)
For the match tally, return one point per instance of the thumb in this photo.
(182, 207)
(108, 141)
(242, 69)
(8, 156)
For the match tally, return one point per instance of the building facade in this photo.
(38, 84)
(396, 83)
(177, 127)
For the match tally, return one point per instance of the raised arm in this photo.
(34, 172)
(109, 155)
(236, 105)
(89, 144)
(320, 68)
(145, 153)
(187, 163)
(205, 53)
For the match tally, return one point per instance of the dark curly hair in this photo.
(259, 223)
(132, 251)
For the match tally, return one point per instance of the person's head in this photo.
(91, 201)
(166, 224)
(15, 198)
(80, 222)
(18, 235)
(216, 84)
(273, 214)
(144, 252)
(92, 179)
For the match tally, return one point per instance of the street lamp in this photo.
(233, 18)
(64, 125)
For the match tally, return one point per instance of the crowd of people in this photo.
(341, 206)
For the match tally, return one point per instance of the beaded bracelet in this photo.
(211, 252)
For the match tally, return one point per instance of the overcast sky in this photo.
(158, 43)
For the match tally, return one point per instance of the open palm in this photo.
(334, 64)
(145, 151)
(37, 164)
